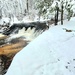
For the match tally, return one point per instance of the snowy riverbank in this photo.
(52, 53)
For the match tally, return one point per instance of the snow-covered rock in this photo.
(52, 53)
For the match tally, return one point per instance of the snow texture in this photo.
(51, 53)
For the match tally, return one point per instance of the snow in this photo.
(4, 19)
(27, 19)
(14, 20)
(51, 53)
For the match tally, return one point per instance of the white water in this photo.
(29, 34)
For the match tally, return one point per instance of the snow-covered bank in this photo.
(52, 53)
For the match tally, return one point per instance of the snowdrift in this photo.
(51, 53)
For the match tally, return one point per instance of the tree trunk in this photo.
(62, 14)
(55, 19)
(27, 7)
(0, 13)
(56, 14)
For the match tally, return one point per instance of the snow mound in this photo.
(51, 53)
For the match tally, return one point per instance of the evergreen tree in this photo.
(69, 10)
(43, 6)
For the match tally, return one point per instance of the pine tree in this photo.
(68, 9)
(45, 8)
(42, 6)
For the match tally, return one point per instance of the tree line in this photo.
(55, 7)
